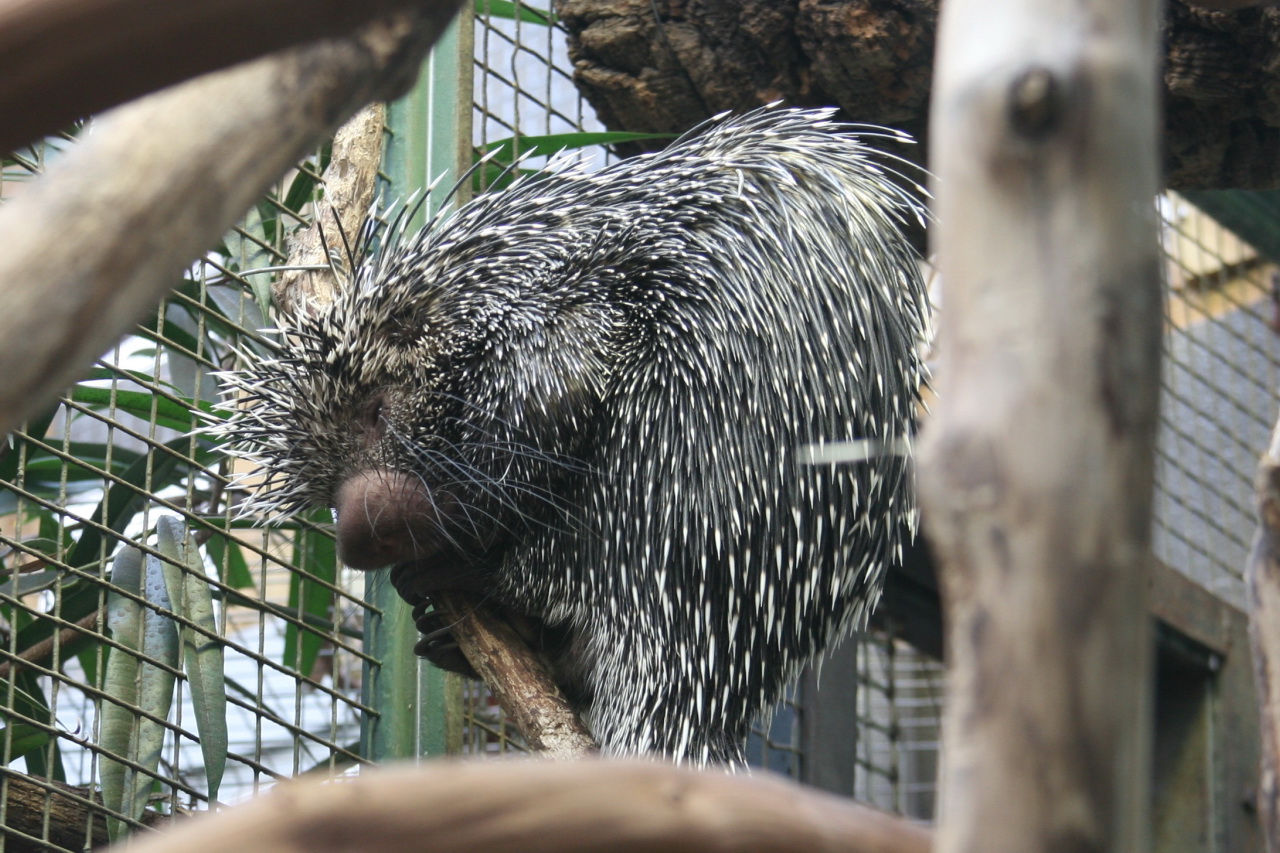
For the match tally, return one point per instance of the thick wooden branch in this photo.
(350, 181)
(519, 679)
(65, 59)
(99, 239)
(1262, 577)
(663, 66)
(1036, 469)
(543, 807)
(68, 816)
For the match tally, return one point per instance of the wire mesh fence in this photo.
(106, 502)
(94, 478)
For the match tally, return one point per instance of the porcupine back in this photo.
(601, 389)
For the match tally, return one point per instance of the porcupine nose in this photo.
(384, 517)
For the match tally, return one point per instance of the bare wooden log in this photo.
(1262, 578)
(349, 183)
(1036, 469)
(69, 816)
(519, 679)
(100, 238)
(65, 59)
(541, 807)
(665, 65)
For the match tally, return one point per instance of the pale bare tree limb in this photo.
(1037, 467)
(101, 237)
(1262, 577)
(64, 59)
(349, 181)
(543, 807)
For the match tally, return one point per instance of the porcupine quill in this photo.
(601, 400)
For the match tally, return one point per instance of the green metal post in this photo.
(420, 708)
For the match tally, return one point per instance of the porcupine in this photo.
(590, 398)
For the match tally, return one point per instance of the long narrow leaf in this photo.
(316, 555)
(544, 146)
(511, 11)
(149, 407)
(202, 656)
(120, 504)
(132, 681)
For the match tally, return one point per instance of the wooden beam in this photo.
(1036, 471)
(65, 59)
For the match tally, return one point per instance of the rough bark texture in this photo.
(1262, 574)
(544, 807)
(1036, 469)
(349, 183)
(519, 679)
(67, 816)
(873, 59)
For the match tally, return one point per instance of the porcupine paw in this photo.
(437, 644)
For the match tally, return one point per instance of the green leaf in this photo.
(544, 146)
(29, 701)
(302, 190)
(150, 407)
(202, 655)
(499, 171)
(227, 555)
(25, 740)
(510, 11)
(315, 555)
(149, 328)
(132, 681)
(120, 504)
(248, 253)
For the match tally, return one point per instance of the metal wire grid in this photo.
(1219, 398)
(524, 82)
(899, 714)
(96, 475)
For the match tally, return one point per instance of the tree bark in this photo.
(349, 181)
(520, 680)
(1036, 469)
(873, 59)
(1262, 576)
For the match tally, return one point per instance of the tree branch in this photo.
(1037, 467)
(1262, 577)
(543, 807)
(65, 59)
(108, 230)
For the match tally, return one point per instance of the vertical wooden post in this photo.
(1036, 470)
(1262, 574)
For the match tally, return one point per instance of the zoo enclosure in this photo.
(305, 642)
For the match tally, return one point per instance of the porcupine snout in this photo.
(389, 518)
(380, 514)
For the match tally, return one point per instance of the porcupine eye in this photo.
(371, 420)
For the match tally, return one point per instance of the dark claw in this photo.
(437, 644)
